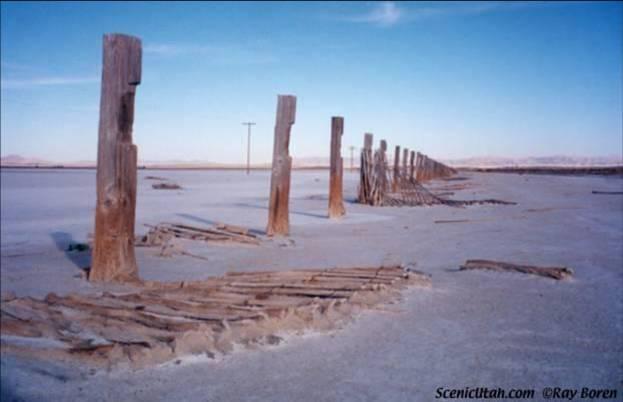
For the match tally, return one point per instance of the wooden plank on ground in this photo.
(557, 273)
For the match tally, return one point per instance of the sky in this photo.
(451, 80)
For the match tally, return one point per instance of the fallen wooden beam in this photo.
(166, 186)
(607, 192)
(557, 273)
(234, 229)
(244, 238)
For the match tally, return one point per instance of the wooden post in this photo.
(113, 250)
(378, 180)
(396, 168)
(427, 170)
(336, 202)
(383, 166)
(365, 170)
(367, 141)
(418, 166)
(278, 207)
(405, 156)
(412, 166)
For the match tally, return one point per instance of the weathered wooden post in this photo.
(405, 156)
(336, 201)
(113, 249)
(368, 138)
(382, 169)
(365, 170)
(278, 207)
(418, 166)
(396, 168)
(428, 170)
(412, 166)
(378, 183)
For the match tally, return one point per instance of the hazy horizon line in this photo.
(612, 159)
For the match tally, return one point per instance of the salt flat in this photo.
(470, 329)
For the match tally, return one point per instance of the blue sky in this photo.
(449, 79)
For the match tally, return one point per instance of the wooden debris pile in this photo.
(166, 186)
(162, 183)
(160, 321)
(411, 193)
(162, 233)
(557, 273)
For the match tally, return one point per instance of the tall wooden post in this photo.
(113, 250)
(396, 168)
(336, 201)
(365, 170)
(412, 166)
(382, 169)
(378, 182)
(278, 207)
(427, 168)
(405, 156)
(367, 142)
(419, 166)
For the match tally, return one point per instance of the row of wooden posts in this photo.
(377, 181)
(415, 165)
(113, 250)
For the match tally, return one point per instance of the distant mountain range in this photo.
(17, 160)
(309, 162)
(492, 161)
(544, 161)
(20, 161)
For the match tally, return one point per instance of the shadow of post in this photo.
(6, 394)
(309, 214)
(81, 259)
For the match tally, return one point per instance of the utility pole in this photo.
(352, 160)
(248, 124)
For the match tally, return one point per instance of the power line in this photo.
(352, 159)
(248, 124)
